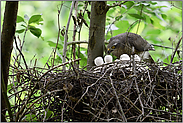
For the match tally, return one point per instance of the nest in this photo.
(118, 91)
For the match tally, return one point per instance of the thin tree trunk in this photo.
(96, 31)
(8, 32)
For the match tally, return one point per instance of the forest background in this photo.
(162, 27)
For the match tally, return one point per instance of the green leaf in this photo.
(163, 16)
(153, 2)
(122, 29)
(42, 38)
(20, 31)
(155, 32)
(147, 19)
(156, 23)
(129, 4)
(23, 25)
(49, 113)
(136, 16)
(35, 31)
(53, 44)
(39, 22)
(19, 19)
(62, 38)
(35, 19)
(145, 3)
(149, 10)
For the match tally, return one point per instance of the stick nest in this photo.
(117, 91)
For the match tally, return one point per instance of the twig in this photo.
(58, 37)
(139, 19)
(77, 42)
(62, 110)
(36, 101)
(102, 118)
(46, 111)
(24, 38)
(131, 25)
(131, 103)
(66, 36)
(91, 86)
(172, 4)
(172, 57)
(138, 92)
(21, 55)
(117, 98)
(165, 47)
(116, 4)
(57, 67)
(80, 27)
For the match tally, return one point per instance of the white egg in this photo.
(136, 57)
(108, 58)
(124, 57)
(98, 61)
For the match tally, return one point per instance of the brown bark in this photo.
(8, 32)
(96, 31)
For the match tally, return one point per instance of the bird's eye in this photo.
(113, 47)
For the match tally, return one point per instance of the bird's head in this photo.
(112, 46)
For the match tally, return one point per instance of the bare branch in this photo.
(66, 36)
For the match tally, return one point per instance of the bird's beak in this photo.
(152, 48)
(109, 51)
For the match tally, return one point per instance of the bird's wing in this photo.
(138, 42)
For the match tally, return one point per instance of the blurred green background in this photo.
(161, 24)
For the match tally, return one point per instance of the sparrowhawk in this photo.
(124, 43)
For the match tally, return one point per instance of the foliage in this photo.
(35, 19)
(157, 18)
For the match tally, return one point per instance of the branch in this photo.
(66, 36)
(165, 47)
(77, 42)
(57, 67)
(175, 50)
(91, 86)
(59, 11)
(117, 98)
(48, 93)
(115, 4)
(21, 55)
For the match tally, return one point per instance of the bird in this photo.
(98, 61)
(108, 59)
(125, 43)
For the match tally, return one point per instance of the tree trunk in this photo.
(96, 31)
(8, 32)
